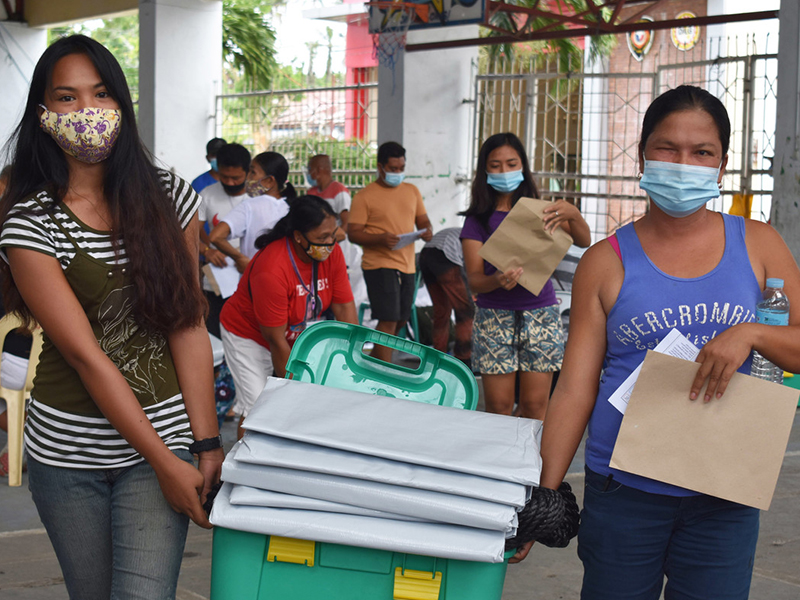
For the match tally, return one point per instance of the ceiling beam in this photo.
(594, 30)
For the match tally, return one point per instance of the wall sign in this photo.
(685, 38)
(639, 42)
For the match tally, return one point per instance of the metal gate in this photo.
(340, 121)
(582, 129)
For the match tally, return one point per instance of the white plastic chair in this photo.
(15, 400)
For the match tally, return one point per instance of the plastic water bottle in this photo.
(772, 310)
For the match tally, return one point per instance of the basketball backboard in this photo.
(427, 14)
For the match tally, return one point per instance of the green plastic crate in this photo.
(241, 570)
(249, 566)
(331, 353)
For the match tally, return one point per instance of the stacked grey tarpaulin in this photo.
(344, 467)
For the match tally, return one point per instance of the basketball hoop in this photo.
(391, 21)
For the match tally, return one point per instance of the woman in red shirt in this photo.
(298, 272)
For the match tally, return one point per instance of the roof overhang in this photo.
(49, 13)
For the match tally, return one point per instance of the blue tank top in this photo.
(649, 305)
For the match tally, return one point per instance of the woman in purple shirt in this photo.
(515, 331)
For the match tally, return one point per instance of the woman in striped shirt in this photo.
(100, 248)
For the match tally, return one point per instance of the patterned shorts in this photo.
(506, 341)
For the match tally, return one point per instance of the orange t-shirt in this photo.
(385, 209)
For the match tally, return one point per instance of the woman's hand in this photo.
(508, 279)
(210, 466)
(560, 212)
(719, 359)
(522, 552)
(181, 485)
(215, 257)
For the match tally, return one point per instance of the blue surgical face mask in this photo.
(310, 180)
(393, 179)
(213, 162)
(677, 189)
(505, 182)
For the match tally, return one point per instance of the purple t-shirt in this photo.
(517, 298)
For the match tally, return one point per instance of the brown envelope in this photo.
(731, 448)
(521, 241)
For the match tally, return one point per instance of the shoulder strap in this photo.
(615, 244)
(250, 272)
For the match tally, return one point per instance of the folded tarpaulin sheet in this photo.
(250, 496)
(421, 504)
(489, 445)
(429, 539)
(262, 449)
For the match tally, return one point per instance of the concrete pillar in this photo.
(785, 213)
(391, 96)
(180, 70)
(20, 49)
(428, 110)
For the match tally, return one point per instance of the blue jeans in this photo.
(113, 532)
(630, 539)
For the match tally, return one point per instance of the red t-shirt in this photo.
(279, 298)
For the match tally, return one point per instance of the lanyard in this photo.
(312, 310)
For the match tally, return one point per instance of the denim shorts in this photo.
(507, 341)
(629, 541)
(113, 531)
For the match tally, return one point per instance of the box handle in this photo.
(290, 550)
(416, 585)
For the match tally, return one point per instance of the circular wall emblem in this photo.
(639, 42)
(685, 38)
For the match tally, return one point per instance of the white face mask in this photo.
(678, 189)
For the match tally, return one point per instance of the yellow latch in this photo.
(290, 550)
(416, 585)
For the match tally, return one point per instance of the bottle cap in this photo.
(774, 282)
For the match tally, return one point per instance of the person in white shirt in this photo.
(233, 164)
(269, 197)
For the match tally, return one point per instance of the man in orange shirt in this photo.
(380, 213)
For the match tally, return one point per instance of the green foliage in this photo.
(120, 35)
(248, 44)
(570, 56)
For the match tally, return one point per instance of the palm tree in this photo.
(570, 55)
(248, 42)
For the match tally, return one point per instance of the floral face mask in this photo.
(255, 188)
(318, 252)
(88, 134)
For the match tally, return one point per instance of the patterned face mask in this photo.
(88, 134)
(255, 188)
(318, 252)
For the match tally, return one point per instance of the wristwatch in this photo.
(205, 445)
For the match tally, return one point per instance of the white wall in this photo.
(437, 124)
(20, 49)
(428, 106)
(180, 68)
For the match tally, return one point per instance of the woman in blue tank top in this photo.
(682, 267)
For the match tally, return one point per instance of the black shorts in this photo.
(390, 294)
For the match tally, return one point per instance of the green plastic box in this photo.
(249, 566)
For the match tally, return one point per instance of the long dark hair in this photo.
(305, 213)
(274, 164)
(484, 196)
(167, 295)
(686, 97)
